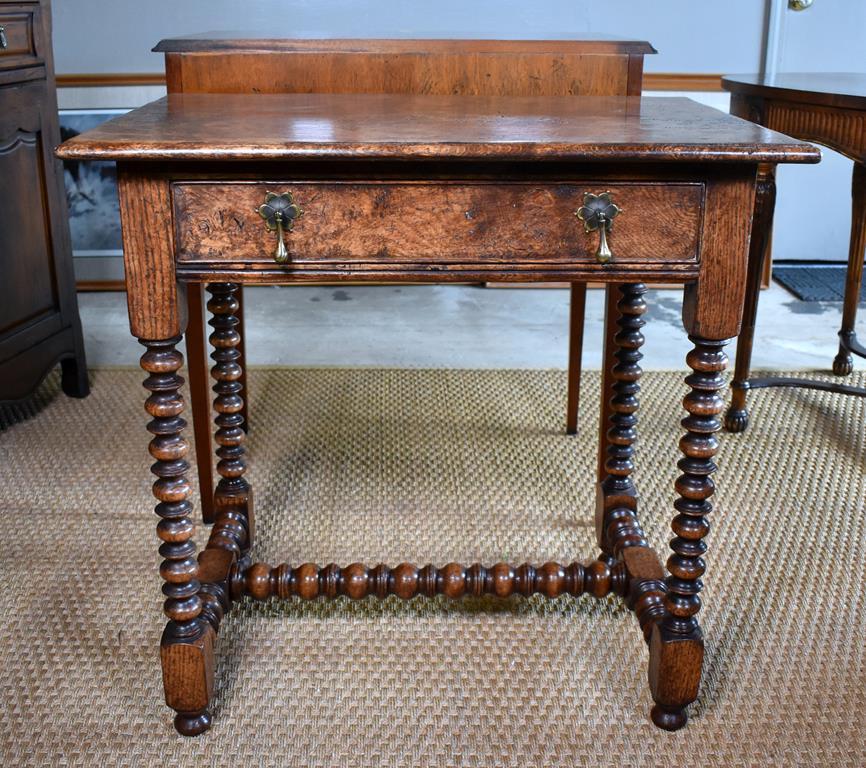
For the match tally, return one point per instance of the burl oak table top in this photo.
(228, 127)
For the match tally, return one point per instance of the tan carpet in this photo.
(433, 466)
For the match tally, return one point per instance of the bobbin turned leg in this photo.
(618, 530)
(233, 492)
(676, 643)
(187, 641)
(242, 357)
(616, 489)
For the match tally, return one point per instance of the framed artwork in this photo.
(91, 194)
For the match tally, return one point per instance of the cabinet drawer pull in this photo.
(598, 213)
(279, 213)
(4, 43)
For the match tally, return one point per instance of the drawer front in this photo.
(18, 34)
(456, 223)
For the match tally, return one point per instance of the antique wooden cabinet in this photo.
(39, 324)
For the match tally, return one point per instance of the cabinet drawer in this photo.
(520, 224)
(18, 32)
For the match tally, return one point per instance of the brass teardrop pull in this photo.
(598, 213)
(279, 213)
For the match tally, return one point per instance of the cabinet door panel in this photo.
(26, 262)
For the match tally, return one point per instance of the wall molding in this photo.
(652, 81)
(681, 81)
(103, 79)
(100, 285)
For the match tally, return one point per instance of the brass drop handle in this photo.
(4, 42)
(279, 213)
(598, 213)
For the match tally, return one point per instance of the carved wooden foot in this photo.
(843, 363)
(676, 643)
(187, 674)
(669, 719)
(736, 420)
(193, 724)
(737, 415)
(187, 642)
(233, 492)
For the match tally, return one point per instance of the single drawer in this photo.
(18, 47)
(521, 225)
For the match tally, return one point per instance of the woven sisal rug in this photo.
(432, 466)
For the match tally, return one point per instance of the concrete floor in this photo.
(457, 326)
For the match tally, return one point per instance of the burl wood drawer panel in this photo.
(20, 49)
(444, 223)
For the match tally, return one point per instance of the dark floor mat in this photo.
(815, 283)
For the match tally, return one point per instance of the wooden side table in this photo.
(233, 189)
(829, 109)
(217, 62)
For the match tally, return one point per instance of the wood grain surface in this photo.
(458, 222)
(845, 90)
(278, 40)
(318, 126)
(466, 74)
(148, 248)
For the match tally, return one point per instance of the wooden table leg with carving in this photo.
(233, 495)
(712, 308)
(843, 364)
(199, 385)
(618, 530)
(676, 643)
(187, 641)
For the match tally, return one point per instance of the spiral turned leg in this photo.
(676, 645)
(233, 493)
(187, 642)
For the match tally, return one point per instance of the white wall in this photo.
(95, 36)
(117, 35)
